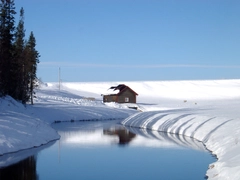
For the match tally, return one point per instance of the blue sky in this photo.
(134, 40)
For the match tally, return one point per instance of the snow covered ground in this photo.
(206, 110)
(25, 127)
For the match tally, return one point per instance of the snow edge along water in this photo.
(209, 130)
(20, 130)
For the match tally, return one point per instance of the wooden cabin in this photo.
(121, 94)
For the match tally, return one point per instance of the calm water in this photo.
(105, 150)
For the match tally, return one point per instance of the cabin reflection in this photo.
(125, 136)
(23, 170)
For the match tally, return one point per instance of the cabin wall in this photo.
(110, 98)
(127, 97)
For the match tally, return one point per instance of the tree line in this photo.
(18, 56)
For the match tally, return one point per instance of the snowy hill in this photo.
(205, 110)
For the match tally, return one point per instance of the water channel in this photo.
(107, 150)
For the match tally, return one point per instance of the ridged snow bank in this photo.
(220, 135)
(19, 129)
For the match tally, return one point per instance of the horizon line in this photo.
(69, 65)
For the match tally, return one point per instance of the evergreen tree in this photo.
(7, 11)
(32, 59)
(19, 59)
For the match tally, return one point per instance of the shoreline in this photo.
(210, 131)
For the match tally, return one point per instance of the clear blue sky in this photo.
(134, 40)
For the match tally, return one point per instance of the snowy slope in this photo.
(151, 91)
(205, 110)
(67, 105)
(19, 129)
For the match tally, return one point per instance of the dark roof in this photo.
(122, 88)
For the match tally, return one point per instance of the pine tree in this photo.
(32, 59)
(7, 11)
(19, 59)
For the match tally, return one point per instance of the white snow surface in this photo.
(206, 110)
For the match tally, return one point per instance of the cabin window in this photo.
(126, 99)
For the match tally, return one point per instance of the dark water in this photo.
(104, 150)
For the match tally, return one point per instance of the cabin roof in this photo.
(117, 90)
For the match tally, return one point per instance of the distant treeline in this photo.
(18, 56)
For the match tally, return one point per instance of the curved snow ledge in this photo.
(17, 135)
(220, 135)
(19, 130)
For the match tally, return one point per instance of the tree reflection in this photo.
(23, 170)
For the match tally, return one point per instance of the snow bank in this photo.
(220, 135)
(19, 129)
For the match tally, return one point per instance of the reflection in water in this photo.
(24, 170)
(89, 150)
(169, 138)
(123, 134)
(110, 132)
(20, 165)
